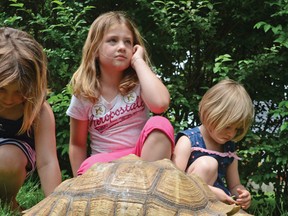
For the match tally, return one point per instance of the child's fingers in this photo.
(231, 200)
(244, 203)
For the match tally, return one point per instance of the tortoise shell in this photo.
(131, 186)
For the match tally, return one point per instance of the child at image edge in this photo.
(113, 91)
(226, 112)
(27, 125)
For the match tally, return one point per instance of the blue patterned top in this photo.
(198, 149)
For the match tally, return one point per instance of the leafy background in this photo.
(192, 44)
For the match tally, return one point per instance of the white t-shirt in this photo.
(114, 125)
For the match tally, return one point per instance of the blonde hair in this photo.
(225, 104)
(85, 81)
(23, 61)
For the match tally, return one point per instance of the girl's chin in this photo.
(223, 141)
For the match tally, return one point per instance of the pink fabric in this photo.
(221, 154)
(154, 123)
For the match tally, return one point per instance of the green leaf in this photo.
(267, 27)
(19, 5)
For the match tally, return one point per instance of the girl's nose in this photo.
(121, 45)
(232, 133)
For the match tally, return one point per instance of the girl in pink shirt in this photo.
(114, 89)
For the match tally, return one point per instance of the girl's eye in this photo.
(112, 41)
(128, 42)
(228, 127)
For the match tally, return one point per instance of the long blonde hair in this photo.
(23, 61)
(85, 81)
(225, 104)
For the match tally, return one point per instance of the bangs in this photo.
(227, 111)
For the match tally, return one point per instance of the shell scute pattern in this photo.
(131, 186)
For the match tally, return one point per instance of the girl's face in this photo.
(10, 96)
(116, 49)
(224, 135)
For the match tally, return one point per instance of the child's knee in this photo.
(161, 139)
(161, 123)
(13, 162)
(204, 165)
(209, 164)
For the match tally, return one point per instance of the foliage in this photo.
(281, 113)
(201, 32)
(193, 44)
(181, 55)
(29, 195)
(270, 150)
(60, 102)
(55, 25)
(61, 28)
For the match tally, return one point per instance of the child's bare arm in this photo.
(46, 154)
(77, 143)
(182, 152)
(242, 195)
(153, 91)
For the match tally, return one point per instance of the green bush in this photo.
(192, 45)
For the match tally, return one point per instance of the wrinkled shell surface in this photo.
(130, 186)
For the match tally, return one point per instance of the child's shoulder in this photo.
(46, 110)
(190, 132)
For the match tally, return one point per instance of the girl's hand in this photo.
(222, 196)
(244, 198)
(138, 53)
(226, 199)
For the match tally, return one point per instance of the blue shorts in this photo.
(27, 150)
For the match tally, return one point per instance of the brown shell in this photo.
(131, 186)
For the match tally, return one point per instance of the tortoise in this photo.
(130, 186)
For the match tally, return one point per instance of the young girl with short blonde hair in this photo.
(226, 112)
